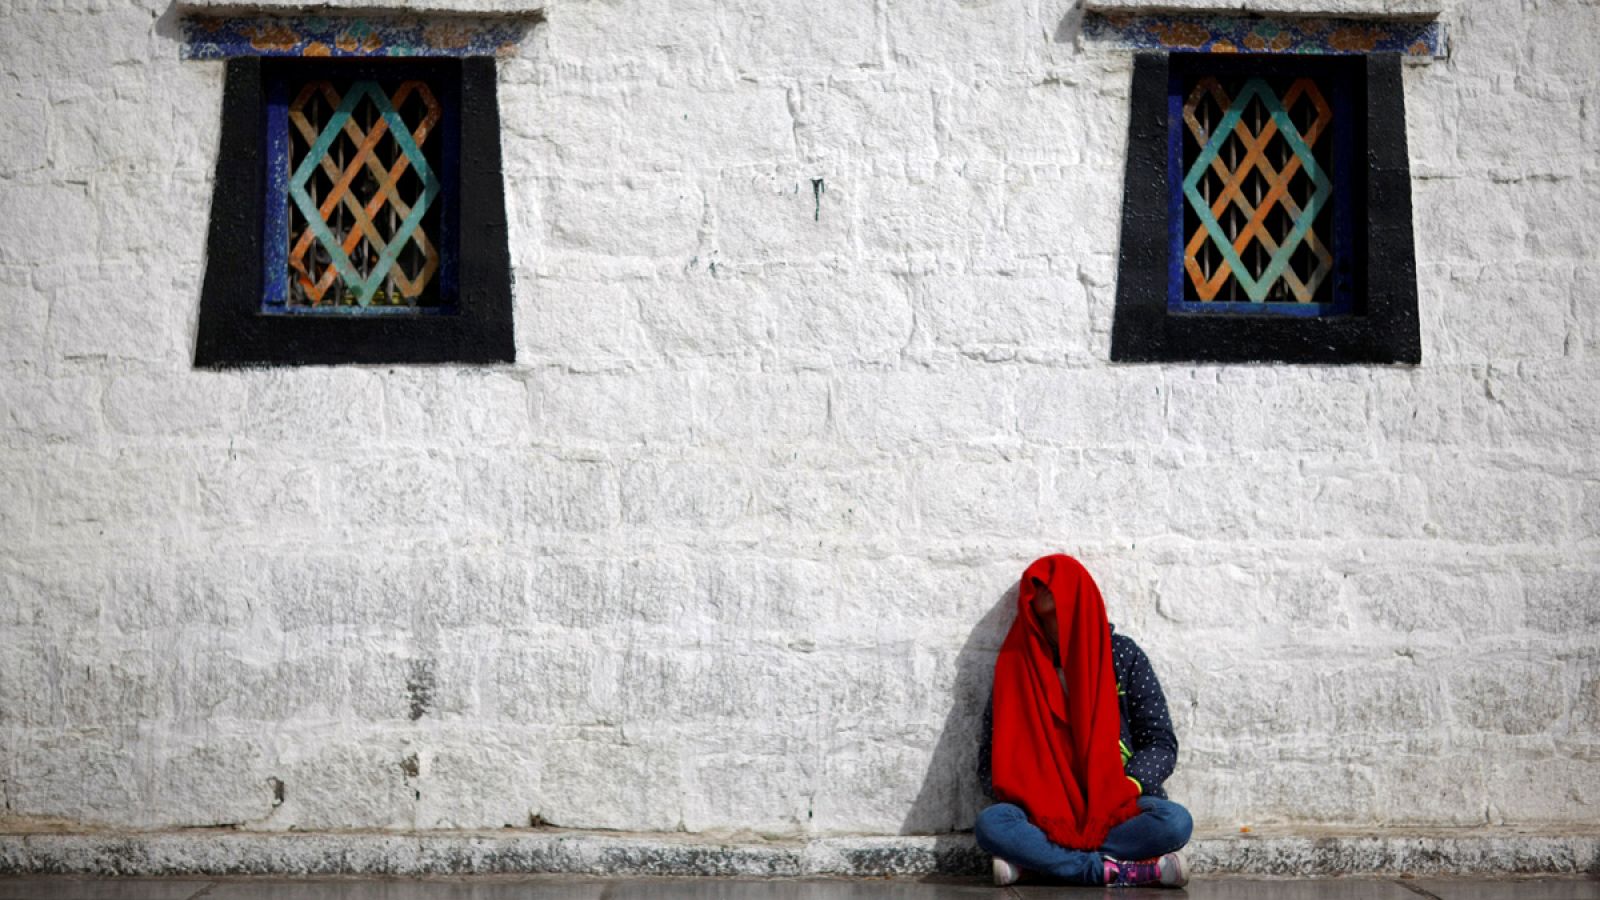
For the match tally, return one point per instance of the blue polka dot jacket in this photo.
(1149, 745)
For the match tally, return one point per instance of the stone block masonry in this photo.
(813, 316)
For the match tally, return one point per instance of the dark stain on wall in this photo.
(420, 683)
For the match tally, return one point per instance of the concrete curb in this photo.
(585, 853)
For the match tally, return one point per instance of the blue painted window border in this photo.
(282, 78)
(1339, 79)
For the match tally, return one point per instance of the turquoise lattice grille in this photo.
(361, 191)
(1257, 187)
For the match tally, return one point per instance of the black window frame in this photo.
(1384, 327)
(235, 331)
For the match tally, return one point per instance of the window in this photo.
(359, 211)
(1266, 211)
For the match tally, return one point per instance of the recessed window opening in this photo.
(1266, 213)
(359, 210)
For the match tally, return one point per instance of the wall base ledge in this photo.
(1307, 853)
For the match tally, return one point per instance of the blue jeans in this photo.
(1161, 826)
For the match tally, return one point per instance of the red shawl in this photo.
(1057, 756)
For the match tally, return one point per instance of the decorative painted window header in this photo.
(1198, 32)
(364, 35)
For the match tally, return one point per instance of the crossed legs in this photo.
(1161, 826)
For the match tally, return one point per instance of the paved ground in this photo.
(562, 888)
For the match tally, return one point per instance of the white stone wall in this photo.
(730, 546)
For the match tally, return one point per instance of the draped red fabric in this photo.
(1055, 751)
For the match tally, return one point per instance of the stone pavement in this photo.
(568, 888)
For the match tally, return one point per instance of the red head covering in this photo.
(1055, 752)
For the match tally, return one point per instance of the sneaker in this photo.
(1167, 871)
(1005, 873)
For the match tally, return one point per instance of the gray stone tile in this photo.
(1215, 888)
(1203, 888)
(408, 889)
(590, 889)
(507, 888)
(1521, 889)
(835, 889)
(64, 887)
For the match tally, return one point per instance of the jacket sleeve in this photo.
(1155, 745)
(986, 749)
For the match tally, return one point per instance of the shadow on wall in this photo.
(1071, 23)
(950, 797)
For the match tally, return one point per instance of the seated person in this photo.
(1077, 742)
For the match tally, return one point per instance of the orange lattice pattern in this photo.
(362, 186)
(1256, 188)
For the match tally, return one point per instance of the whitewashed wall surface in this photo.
(729, 548)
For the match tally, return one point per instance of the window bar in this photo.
(389, 295)
(1302, 201)
(1207, 251)
(1279, 287)
(374, 251)
(1283, 163)
(1259, 265)
(336, 288)
(375, 236)
(363, 254)
(313, 270)
(1233, 209)
(1309, 114)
